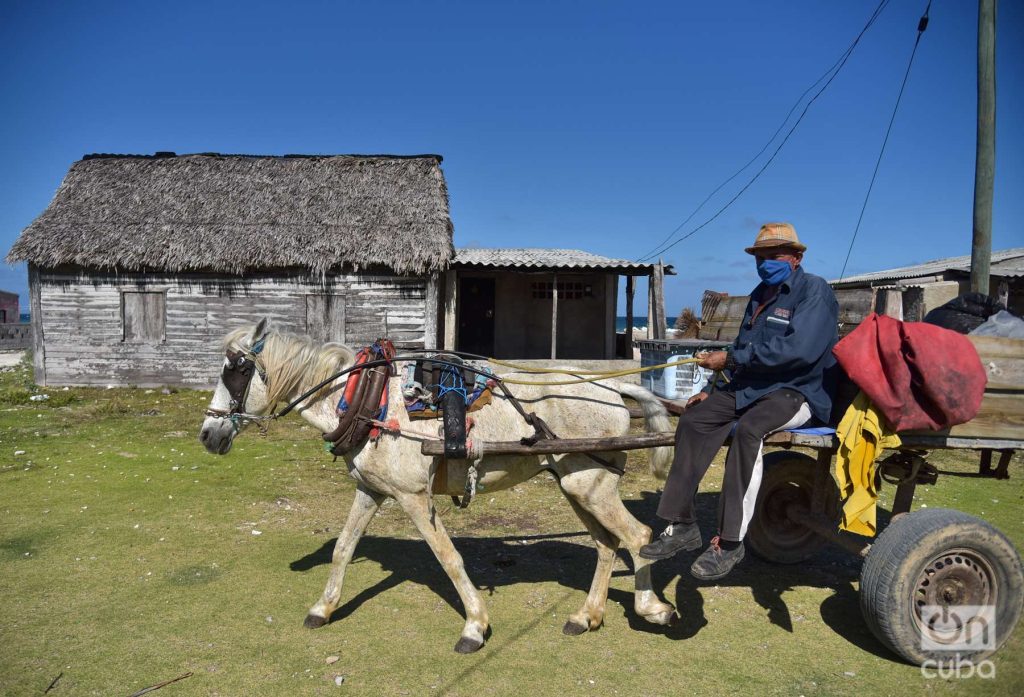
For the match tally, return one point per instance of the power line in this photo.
(833, 70)
(921, 26)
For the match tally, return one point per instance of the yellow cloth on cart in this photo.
(862, 433)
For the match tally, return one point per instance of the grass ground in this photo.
(129, 556)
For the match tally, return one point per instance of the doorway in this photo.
(476, 316)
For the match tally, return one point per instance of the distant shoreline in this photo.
(640, 323)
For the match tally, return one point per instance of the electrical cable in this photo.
(921, 26)
(834, 71)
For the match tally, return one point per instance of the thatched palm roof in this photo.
(238, 213)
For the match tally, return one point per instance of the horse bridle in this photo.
(237, 378)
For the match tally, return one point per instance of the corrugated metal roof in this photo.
(1006, 262)
(536, 258)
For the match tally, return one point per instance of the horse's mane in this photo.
(293, 361)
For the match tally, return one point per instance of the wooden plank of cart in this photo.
(926, 559)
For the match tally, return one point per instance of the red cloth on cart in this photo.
(918, 375)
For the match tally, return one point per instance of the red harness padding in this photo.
(364, 400)
(920, 376)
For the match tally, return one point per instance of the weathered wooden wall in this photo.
(83, 333)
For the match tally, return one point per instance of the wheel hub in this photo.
(955, 577)
(780, 500)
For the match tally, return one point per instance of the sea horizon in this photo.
(640, 322)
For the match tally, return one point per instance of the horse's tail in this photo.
(655, 421)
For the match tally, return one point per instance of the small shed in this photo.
(9, 313)
(909, 292)
(544, 303)
(141, 264)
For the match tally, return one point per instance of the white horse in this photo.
(288, 365)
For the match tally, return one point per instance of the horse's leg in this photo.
(418, 507)
(591, 615)
(364, 506)
(596, 490)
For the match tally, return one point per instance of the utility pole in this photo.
(985, 162)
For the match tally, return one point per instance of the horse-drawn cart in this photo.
(923, 562)
(922, 559)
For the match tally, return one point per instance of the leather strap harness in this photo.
(365, 395)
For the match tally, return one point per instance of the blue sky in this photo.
(590, 125)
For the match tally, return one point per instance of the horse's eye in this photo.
(241, 361)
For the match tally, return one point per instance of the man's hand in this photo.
(715, 360)
(696, 399)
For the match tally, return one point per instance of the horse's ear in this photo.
(262, 327)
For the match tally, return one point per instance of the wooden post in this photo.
(656, 316)
(451, 323)
(554, 316)
(890, 302)
(630, 292)
(985, 162)
(610, 287)
(430, 311)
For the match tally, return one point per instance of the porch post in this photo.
(656, 305)
(430, 311)
(611, 299)
(554, 315)
(451, 282)
(630, 292)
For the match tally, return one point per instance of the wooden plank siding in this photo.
(81, 319)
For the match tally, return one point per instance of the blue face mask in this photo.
(773, 271)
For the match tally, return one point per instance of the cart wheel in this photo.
(940, 558)
(788, 480)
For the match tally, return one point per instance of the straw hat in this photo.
(776, 235)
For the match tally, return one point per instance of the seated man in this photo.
(776, 368)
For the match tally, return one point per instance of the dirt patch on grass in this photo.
(193, 575)
(516, 522)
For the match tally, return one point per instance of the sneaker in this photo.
(715, 562)
(676, 536)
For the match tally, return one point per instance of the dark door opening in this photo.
(476, 316)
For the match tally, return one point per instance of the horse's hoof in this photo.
(314, 621)
(574, 628)
(467, 645)
(663, 618)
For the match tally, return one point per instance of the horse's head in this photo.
(241, 390)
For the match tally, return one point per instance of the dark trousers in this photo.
(702, 430)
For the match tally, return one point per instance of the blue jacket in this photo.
(789, 343)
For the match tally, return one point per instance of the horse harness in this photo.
(364, 398)
(366, 395)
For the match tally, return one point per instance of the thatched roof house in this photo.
(140, 264)
(235, 214)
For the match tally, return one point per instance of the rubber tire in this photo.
(769, 535)
(897, 560)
